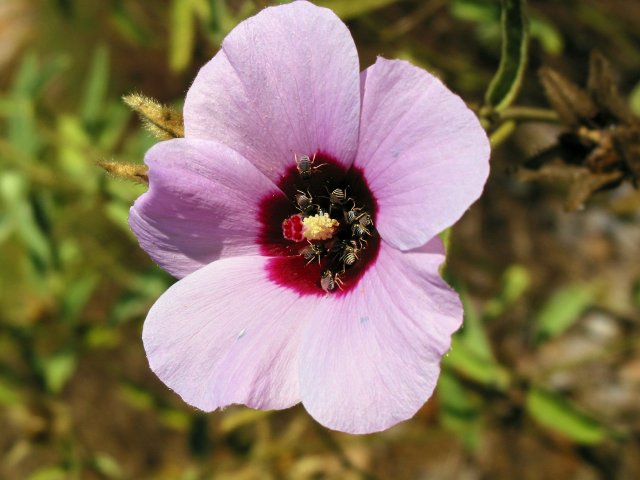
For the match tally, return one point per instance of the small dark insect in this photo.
(305, 166)
(337, 198)
(304, 202)
(349, 254)
(352, 215)
(359, 230)
(329, 280)
(313, 251)
(365, 220)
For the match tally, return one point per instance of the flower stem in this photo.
(529, 114)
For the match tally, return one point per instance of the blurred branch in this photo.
(411, 21)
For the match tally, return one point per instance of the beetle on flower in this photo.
(282, 111)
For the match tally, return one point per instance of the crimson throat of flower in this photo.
(321, 235)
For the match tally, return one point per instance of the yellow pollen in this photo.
(319, 227)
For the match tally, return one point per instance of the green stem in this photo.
(528, 114)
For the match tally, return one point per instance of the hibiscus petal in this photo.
(285, 82)
(370, 358)
(202, 204)
(226, 334)
(423, 152)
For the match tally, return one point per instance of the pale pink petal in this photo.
(226, 334)
(423, 152)
(285, 82)
(371, 358)
(202, 204)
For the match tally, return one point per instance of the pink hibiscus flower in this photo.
(300, 212)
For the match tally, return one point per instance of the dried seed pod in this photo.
(572, 103)
(602, 87)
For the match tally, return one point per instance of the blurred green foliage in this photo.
(76, 395)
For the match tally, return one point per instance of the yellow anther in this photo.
(319, 227)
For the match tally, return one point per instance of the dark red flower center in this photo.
(322, 233)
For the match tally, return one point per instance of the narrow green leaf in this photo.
(127, 26)
(58, 369)
(221, 20)
(562, 310)
(547, 34)
(556, 413)
(515, 43)
(107, 466)
(115, 124)
(7, 227)
(235, 418)
(21, 127)
(8, 394)
(458, 410)
(473, 334)
(515, 282)
(137, 396)
(479, 11)
(102, 337)
(77, 294)
(471, 353)
(468, 363)
(634, 99)
(118, 213)
(354, 8)
(96, 87)
(182, 36)
(15, 195)
(49, 473)
(445, 236)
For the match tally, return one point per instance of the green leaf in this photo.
(468, 363)
(562, 310)
(115, 118)
(14, 193)
(102, 337)
(547, 34)
(634, 99)
(556, 413)
(118, 213)
(354, 8)
(472, 334)
(77, 294)
(471, 353)
(445, 236)
(137, 396)
(183, 29)
(127, 26)
(515, 282)
(235, 418)
(8, 394)
(49, 473)
(459, 409)
(96, 87)
(221, 20)
(479, 11)
(58, 369)
(515, 43)
(21, 127)
(107, 466)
